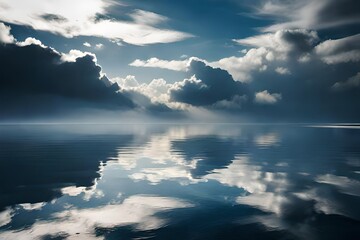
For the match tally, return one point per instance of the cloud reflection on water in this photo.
(298, 179)
(139, 211)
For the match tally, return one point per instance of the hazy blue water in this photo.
(179, 182)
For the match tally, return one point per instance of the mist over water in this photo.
(185, 181)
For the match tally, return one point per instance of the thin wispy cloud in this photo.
(82, 18)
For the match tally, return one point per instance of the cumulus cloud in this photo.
(283, 65)
(285, 40)
(309, 14)
(265, 97)
(152, 97)
(156, 90)
(241, 68)
(31, 41)
(286, 62)
(74, 54)
(5, 36)
(41, 79)
(207, 86)
(340, 50)
(267, 49)
(85, 18)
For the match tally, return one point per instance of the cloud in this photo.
(265, 97)
(309, 14)
(155, 94)
(353, 82)
(340, 50)
(241, 68)
(6, 216)
(284, 40)
(176, 65)
(269, 50)
(54, 84)
(74, 54)
(99, 46)
(207, 86)
(41, 79)
(86, 44)
(31, 41)
(293, 62)
(87, 18)
(5, 36)
(145, 17)
(282, 71)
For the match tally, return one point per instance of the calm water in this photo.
(179, 182)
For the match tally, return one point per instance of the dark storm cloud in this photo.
(34, 80)
(342, 11)
(209, 86)
(300, 41)
(308, 93)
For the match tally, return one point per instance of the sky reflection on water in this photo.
(179, 182)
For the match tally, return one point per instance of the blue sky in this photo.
(284, 54)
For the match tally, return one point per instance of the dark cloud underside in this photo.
(35, 80)
(211, 85)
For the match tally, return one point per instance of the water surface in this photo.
(202, 181)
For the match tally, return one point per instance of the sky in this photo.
(228, 60)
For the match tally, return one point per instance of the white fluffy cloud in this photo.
(31, 41)
(241, 67)
(73, 54)
(157, 90)
(265, 97)
(267, 49)
(80, 18)
(5, 36)
(86, 44)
